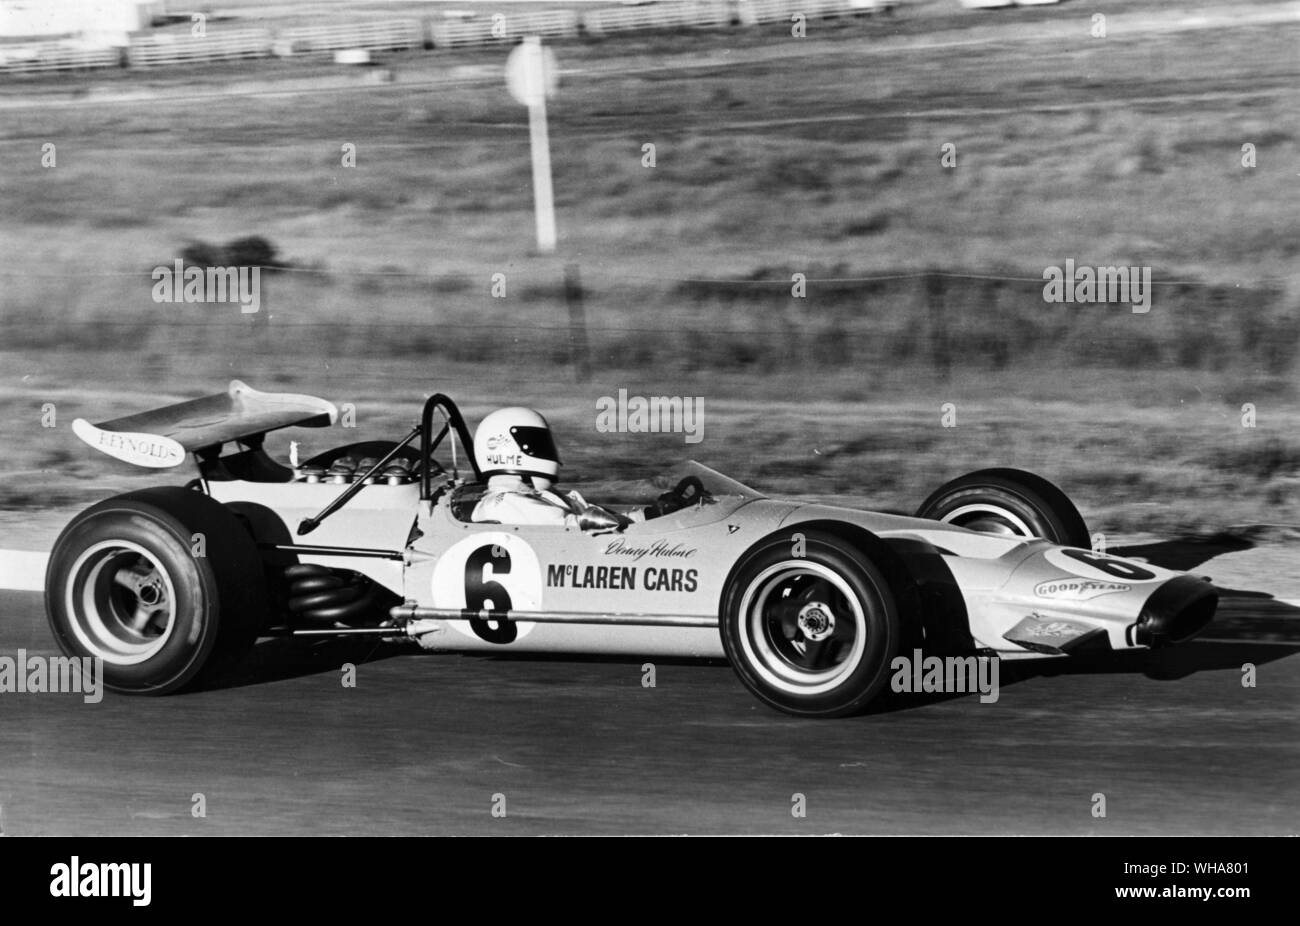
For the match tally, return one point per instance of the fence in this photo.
(44, 57)
(393, 35)
(753, 12)
(163, 49)
(553, 24)
(679, 15)
(508, 28)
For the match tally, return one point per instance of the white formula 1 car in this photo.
(810, 603)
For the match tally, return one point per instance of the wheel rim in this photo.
(989, 519)
(121, 602)
(802, 628)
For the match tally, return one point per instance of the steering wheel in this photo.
(691, 490)
(688, 491)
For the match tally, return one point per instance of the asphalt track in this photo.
(424, 742)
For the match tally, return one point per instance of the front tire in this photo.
(1009, 502)
(810, 634)
(125, 584)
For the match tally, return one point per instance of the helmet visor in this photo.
(536, 442)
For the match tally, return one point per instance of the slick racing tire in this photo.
(811, 631)
(164, 585)
(1009, 502)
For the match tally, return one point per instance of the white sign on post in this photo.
(532, 77)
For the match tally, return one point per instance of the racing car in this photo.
(172, 585)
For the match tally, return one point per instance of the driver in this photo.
(516, 454)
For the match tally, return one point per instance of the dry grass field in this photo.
(774, 156)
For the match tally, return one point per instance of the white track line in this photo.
(22, 571)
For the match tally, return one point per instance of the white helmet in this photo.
(516, 441)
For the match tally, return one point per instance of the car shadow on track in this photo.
(1185, 554)
(280, 659)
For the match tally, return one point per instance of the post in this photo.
(543, 197)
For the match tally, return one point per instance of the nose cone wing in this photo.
(1071, 594)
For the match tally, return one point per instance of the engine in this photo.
(347, 469)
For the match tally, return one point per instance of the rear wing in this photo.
(162, 437)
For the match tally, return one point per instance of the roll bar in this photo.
(429, 444)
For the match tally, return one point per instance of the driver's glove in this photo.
(667, 503)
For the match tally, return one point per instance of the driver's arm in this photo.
(513, 508)
(591, 517)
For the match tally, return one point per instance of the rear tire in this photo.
(813, 634)
(1009, 502)
(125, 584)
